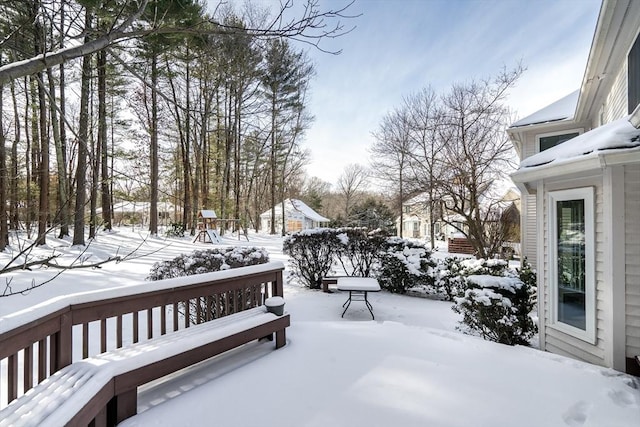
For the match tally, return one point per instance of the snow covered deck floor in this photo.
(404, 369)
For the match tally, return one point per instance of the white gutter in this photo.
(589, 162)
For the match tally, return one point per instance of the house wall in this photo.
(559, 342)
(615, 105)
(528, 217)
(632, 259)
(528, 228)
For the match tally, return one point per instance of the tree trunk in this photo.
(105, 176)
(83, 131)
(273, 167)
(33, 145)
(4, 231)
(13, 207)
(43, 205)
(61, 147)
(153, 206)
(236, 154)
(187, 217)
(43, 164)
(62, 174)
(94, 161)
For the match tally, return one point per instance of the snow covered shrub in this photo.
(452, 273)
(497, 308)
(527, 274)
(359, 250)
(403, 265)
(208, 260)
(176, 229)
(480, 267)
(312, 254)
(448, 281)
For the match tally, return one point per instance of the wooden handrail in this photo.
(37, 342)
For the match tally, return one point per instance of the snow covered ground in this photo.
(409, 367)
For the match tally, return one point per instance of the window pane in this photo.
(571, 263)
(547, 142)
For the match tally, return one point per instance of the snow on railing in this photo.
(38, 341)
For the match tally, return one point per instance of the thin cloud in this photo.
(400, 47)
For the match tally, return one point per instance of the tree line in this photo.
(106, 101)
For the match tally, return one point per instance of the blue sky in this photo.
(400, 46)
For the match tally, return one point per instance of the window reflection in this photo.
(571, 263)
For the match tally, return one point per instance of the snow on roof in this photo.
(420, 198)
(302, 207)
(563, 109)
(207, 213)
(618, 134)
(138, 207)
(299, 206)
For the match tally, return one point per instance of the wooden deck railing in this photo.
(36, 342)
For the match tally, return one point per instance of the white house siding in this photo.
(556, 341)
(529, 146)
(632, 259)
(529, 230)
(615, 105)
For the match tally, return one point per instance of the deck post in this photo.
(126, 404)
(277, 286)
(63, 344)
(281, 338)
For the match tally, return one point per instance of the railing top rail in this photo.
(33, 315)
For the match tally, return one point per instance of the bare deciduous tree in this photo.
(454, 150)
(477, 154)
(351, 183)
(391, 152)
(424, 116)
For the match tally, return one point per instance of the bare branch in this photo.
(50, 59)
(310, 28)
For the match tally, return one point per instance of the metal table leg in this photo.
(347, 303)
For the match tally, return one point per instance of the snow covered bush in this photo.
(448, 281)
(452, 273)
(208, 260)
(312, 254)
(479, 267)
(527, 274)
(404, 264)
(359, 250)
(176, 229)
(497, 308)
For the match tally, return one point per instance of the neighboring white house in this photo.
(416, 219)
(298, 216)
(125, 213)
(580, 182)
(416, 216)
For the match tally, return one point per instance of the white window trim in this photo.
(586, 194)
(560, 132)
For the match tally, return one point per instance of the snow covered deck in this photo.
(70, 395)
(205, 315)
